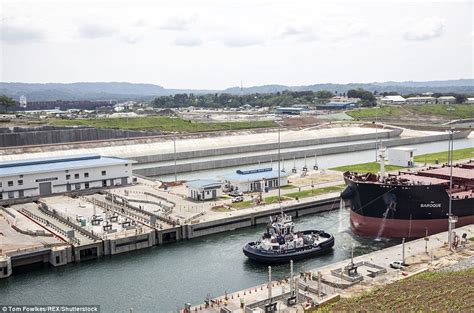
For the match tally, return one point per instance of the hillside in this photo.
(127, 91)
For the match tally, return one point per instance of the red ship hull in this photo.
(401, 228)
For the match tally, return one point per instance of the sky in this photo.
(215, 44)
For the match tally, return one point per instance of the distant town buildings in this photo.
(446, 100)
(290, 110)
(397, 99)
(421, 100)
(66, 104)
(336, 106)
(343, 99)
(469, 101)
(23, 102)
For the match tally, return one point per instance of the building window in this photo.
(104, 183)
(10, 183)
(20, 182)
(1, 195)
(21, 176)
(86, 185)
(126, 164)
(77, 186)
(0, 184)
(104, 173)
(76, 176)
(86, 175)
(67, 171)
(68, 176)
(11, 195)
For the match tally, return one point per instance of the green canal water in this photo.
(162, 279)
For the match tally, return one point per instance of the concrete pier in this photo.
(320, 285)
(55, 220)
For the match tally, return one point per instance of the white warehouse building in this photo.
(204, 189)
(46, 176)
(254, 180)
(401, 156)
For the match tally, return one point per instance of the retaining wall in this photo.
(264, 147)
(205, 165)
(47, 135)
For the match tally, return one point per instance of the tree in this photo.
(460, 98)
(6, 102)
(367, 98)
(324, 94)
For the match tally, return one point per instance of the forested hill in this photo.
(130, 91)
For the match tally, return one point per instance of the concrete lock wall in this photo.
(204, 165)
(41, 136)
(121, 245)
(263, 147)
(255, 218)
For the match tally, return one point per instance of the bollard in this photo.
(238, 295)
(250, 291)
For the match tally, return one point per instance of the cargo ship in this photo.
(409, 203)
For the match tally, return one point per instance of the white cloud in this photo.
(428, 28)
(179, 23)
(93, 31)
(345, 29)
(188, 41)
(298, 31)
(13, 30)
(241, 40)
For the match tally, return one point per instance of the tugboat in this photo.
(280, 243)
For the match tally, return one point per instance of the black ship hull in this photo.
(272, 257)
(387, 210)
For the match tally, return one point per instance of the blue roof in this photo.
(254, 175)
(292, 109)
(22, 167)
(202, 183)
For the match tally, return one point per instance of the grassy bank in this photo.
(457, 111)
(442, 157)
(371, 167)
(242, 205)
(425, 292)
(380, 112)
(274, 199)
(161, 123)
(315, 192)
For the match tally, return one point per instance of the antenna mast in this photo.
(279, 173)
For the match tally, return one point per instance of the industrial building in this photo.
(396, 99)
(46, 176)
(204, 189)
(401, 156)
(421, 100)
(254, 180)
(336, 106)
(447, 100)
(291, 110)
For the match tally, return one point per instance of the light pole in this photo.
(279, 172)
(451, 219)
(174, 156)
(376, 131)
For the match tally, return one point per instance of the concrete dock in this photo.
(317, 286)
(71, 228)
